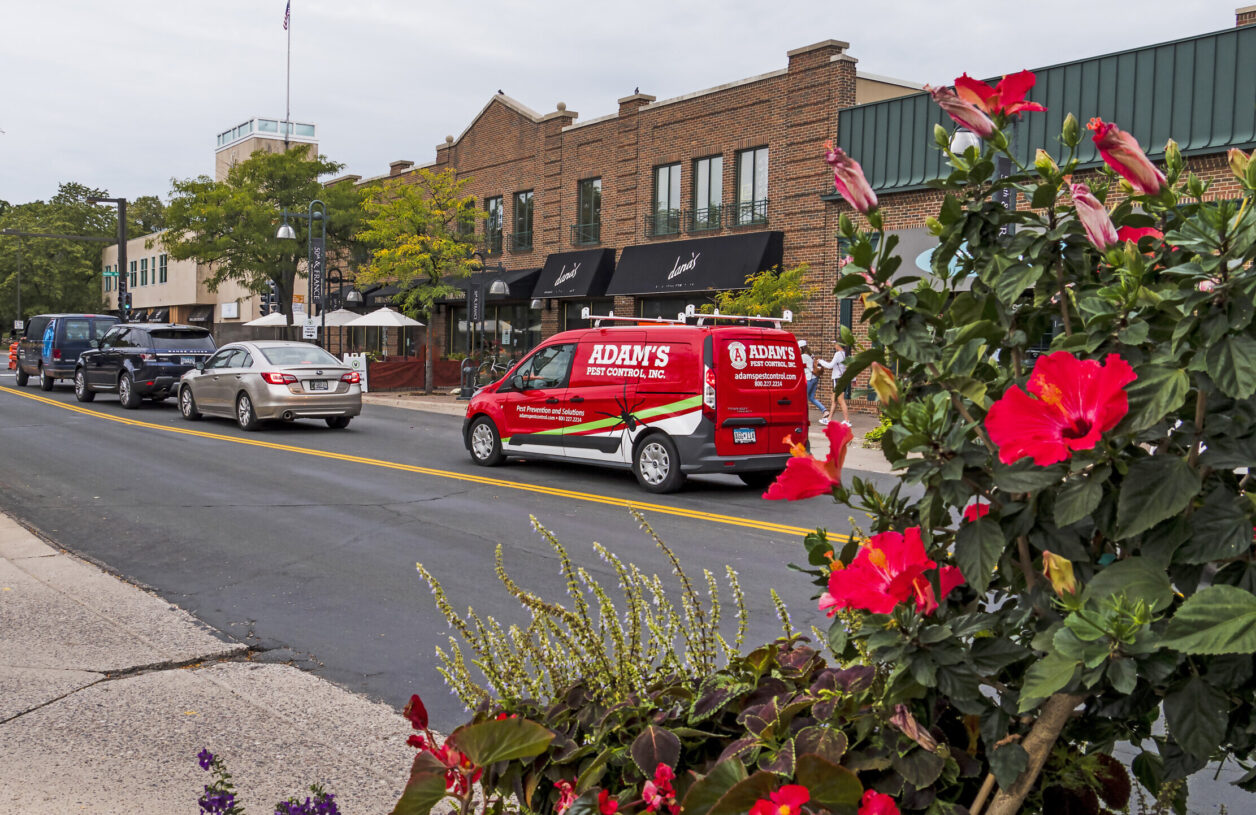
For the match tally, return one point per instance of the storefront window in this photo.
(570, 318)
(669, 307)
(509, 330)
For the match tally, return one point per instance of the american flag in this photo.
(287, 15)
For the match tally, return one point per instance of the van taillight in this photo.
(56, 353)
(353, 378)
(708, 391)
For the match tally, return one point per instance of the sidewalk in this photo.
(107, 693)
(857, 456)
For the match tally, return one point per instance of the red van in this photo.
(664, 398)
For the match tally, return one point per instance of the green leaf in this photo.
(1007, 763)
(1045, 677)
(992, 654)
(1155, 392)
(1220, 530)
(825, 742)
(713, 786)
(1155, 488)
(1232, 365)
(1197, 715)
(655, 746)
(743, 795)
(501, 740)
(1077, 499)
(918, 767)
(837, 636)
(1025, 476)
(978, 547)
(586, 804)
(1216, 620)
(830, 786)
(1137, 578)
(1012, 282)
(425, 789)
(1123, 674)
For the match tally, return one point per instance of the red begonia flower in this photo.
(788, 800)
(964, 114)
(416, 713)
(1007, 98)
(877, 803)
(1121, 152)
(848, 178)
(1135, 234)
(889, 569)
(566, 795)
(804, 475)
(1078, 400)
(974, 512)
(1094, 218)
(606, 804)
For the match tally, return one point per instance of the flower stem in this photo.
(982, 794)
(1201, 402)
(1026, 563)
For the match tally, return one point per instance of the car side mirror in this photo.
(516, 382)
(200, 366)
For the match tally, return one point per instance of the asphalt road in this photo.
(302, 540)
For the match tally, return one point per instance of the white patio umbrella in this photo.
(274, 319)
(341, 316)
(384, 318)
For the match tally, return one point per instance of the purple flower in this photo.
(216, 803)
(206, 758)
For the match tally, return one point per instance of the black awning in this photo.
(201, 314)
(576, 274)
(158, 315)
(520, 282)
(382, 296)
(702, 264)
(140, 315)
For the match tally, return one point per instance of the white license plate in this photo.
(317, 384)
(187, 360)
(744, 435)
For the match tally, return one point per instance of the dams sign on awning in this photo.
(702, 264)
(576, 274)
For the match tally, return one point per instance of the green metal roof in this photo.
(1200, 91)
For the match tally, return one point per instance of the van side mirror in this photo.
(516, 382)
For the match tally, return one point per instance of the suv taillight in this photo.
(148, 357)
(708, 391)
(278, 379)
(352, 378)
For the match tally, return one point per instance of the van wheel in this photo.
(127, 394)
(657, 464)
(45, 381)
(759, 479)
(22, 377)
(81, 391)
(486, 443)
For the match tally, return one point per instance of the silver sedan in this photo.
(254, 381)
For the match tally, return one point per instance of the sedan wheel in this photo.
(337, 422)
(81, 391)
(127, 395)
(187, 405)
(245, 415)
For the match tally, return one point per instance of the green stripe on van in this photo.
(611, 421)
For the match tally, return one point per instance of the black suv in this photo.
(141, 360)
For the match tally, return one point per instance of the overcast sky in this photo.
(126, 95)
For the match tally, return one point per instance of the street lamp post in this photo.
(476, 297)
(316, 256)
(123, 280)
(353, 298)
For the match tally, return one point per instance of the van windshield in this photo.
(175, 339)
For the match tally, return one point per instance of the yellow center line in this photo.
(644, 506)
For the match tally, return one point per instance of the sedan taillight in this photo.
(352, 378)
(278, 379)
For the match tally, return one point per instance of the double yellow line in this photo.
(644, 506)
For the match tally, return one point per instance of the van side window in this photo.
(549, 367)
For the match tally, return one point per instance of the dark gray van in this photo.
(51, 343)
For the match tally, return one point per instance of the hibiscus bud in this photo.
(1059, 570)
(962, 113)
(935, 226)
(1071, 135)
(1094, 218)
(1238, 163)
(848, 178)
(1047, 168)
(1173, 158)
(941, 137)
(1121, 152)
(883, 382)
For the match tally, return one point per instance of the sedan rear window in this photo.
(174, 339)
(295, 355)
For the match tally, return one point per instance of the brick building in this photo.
(655, 206)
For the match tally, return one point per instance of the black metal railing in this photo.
(585, 234)
(748, 213)
(492, 243)
(662, 222)
(703, 220)
(520, 241)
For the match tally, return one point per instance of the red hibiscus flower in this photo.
(606, 804)
(806, 476)
(1121, 152)
(416, 713)
(877, 803)
(848, 178)
(1135, 234)
(1006, 98)
(889, 569)
(964, 114)
(1078, 400)
(974, 512)
(788, 800)
(1094, 218)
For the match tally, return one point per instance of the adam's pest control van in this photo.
(664, 398)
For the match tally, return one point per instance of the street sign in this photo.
(309, 329)
(18, 325)
(317, 261)
(475, 302)
(113, 273)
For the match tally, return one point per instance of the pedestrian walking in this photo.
(837, 367)
(813, 381)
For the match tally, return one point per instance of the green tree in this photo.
(56, 274)
(767, 294)
(416, 240)
(230, 225)
(145, 215)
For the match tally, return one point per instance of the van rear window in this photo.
(76, 330)
(174, 339)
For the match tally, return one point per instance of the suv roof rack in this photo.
(597, 319)
(690, 313)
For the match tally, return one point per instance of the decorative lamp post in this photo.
(475, 298)
(316, 257)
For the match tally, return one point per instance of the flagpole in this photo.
(287, 124)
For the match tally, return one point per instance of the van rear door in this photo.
(761, 396)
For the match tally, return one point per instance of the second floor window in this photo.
(708, 193)
(134, 278)
(162, 267)
(665, 219)
(493, 225)
(521, 231)
(752, 186)
(589, 211)
(143, 271)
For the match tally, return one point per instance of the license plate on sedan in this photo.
(744, 435)
(317, 384)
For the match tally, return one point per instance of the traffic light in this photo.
(270, 302)
(124, 301)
